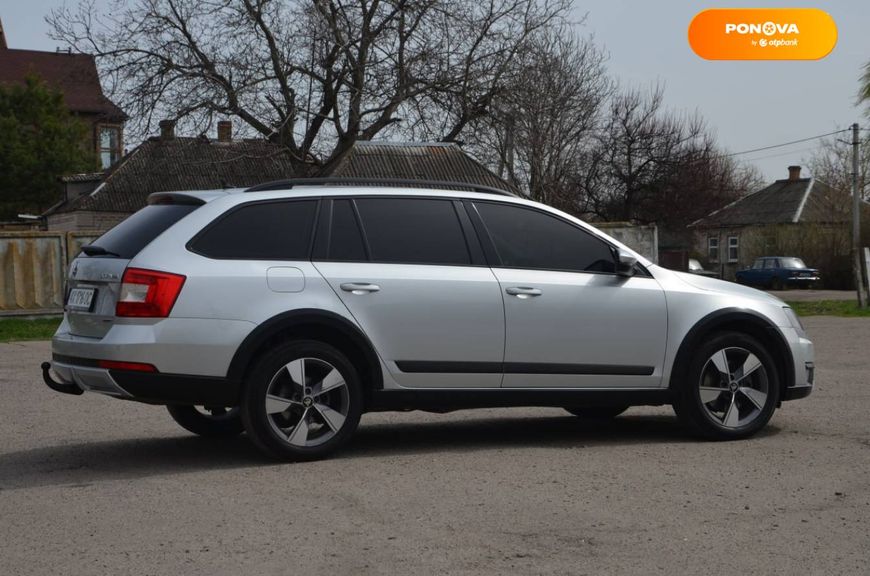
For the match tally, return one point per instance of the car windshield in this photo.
(694, 264)
(792, 263)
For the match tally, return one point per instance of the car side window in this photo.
(413, 231)
(758, 264)
(526, 238)
(278, 230)
(770, 263)
(346, 241)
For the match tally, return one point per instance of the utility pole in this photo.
(856, 222)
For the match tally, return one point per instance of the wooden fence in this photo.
(33, 269)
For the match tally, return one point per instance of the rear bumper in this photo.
(173, 345)
(800, 280)
(77, 375)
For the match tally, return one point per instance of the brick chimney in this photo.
(3, 45)
(225, 131)
(167, 129)
(794, 173)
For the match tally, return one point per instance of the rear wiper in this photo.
(93, 250)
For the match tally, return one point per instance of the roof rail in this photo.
(408, 182)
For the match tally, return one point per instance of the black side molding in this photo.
(414, 366)
(444, 400)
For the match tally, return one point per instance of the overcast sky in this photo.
(749, 104)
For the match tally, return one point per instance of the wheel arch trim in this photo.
(273, 327)
(723, 317)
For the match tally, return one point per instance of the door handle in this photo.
(360, 287)
(523, 291)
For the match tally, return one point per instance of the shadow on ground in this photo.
(81, 464)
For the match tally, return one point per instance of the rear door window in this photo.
(132, 235)
(278, 230)
(413, 231)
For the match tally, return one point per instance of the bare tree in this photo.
(831, 163)
(544, 123)
(311, 75)
(652, 165)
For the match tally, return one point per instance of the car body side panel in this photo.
(600, 321)
(424, 313)
(691, 298)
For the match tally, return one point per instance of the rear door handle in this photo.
(523, 291)
(360, 287)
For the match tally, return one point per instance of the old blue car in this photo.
(778, 273)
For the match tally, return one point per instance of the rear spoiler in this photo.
(174, 198)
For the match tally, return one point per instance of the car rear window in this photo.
(413, 231)
(275, 230)
(792, 263)
(132, 235)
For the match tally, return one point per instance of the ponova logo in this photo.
(768, 28)
(762, 34)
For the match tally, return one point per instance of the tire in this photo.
(213, 422)
(733, 406)
(596, 412)
(302, 400)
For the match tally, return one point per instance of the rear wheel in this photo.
(596, 412)
(213, 421)
(731, 388)
(302, 400)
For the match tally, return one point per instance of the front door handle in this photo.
(360, 287)
(523, 291)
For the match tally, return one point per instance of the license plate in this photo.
(81, 299)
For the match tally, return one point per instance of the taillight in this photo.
(147, 293)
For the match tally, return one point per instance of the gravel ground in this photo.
(91, 485)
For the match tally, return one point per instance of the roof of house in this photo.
(783, 202)
(177, 164)
(442, 161)
(83, 177)
(75, 75)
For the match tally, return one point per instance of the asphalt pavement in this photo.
(90, 485)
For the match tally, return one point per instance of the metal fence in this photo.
(33, 267)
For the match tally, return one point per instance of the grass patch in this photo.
(845, 308)
(12, 329)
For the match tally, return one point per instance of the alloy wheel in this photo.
(307, 402)
(733, 387)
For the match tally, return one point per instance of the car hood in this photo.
(723, 287)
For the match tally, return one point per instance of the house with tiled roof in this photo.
(794, 216)
(168, 162)
(76, 77)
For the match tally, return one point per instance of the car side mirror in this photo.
(625, 263)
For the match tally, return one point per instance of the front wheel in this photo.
(731, 388)
(210, 421)
(596, 412)
(302, 400)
